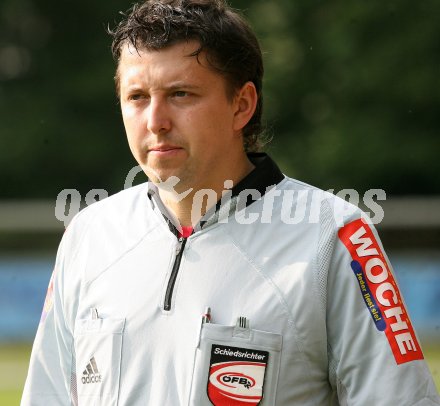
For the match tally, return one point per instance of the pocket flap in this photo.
(104, 326)
(259, 338)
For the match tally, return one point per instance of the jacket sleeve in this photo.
(374, 354)
(51, 370)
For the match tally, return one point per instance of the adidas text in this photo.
(91, 379)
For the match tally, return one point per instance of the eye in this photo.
(136, 96)
(180, 93)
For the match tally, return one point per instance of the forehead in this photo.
(173, 63)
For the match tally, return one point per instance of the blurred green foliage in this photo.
(352, 94)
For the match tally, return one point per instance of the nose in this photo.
(158, 116)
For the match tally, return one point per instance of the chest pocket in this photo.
(98, 346)
(235, 365)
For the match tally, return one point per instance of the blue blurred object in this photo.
(418, 276)
(24, 280)
(23, 285)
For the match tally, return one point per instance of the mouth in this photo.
(163, 150)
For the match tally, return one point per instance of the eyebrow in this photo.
(180, 85)
(173, 86)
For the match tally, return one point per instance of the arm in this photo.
(374, 354)
(51, 366)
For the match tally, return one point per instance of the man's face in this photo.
(178, 118)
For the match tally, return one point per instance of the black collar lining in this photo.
(265, 175)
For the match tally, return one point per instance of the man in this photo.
(199, 287)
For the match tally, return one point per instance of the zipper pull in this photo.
(179, 245)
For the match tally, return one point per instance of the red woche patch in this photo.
(360, 241)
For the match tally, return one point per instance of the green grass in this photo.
(14, 361)
(432, 356)
(10, 397)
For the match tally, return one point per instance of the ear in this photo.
(245, 105)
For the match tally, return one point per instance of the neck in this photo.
(190, 207)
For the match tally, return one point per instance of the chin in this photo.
(157, 176)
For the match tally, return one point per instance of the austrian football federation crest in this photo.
(236, 376)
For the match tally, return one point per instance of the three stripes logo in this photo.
(91, 373)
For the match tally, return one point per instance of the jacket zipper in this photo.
(174, 272)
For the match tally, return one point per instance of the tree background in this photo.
(352, 94)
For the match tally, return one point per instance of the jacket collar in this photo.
(262, 178)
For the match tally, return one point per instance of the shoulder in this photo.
(320, 206)
(105, 231)
(126, 210)
(118, 205)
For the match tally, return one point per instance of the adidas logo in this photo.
(91, 373)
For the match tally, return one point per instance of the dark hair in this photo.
(231, 46)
